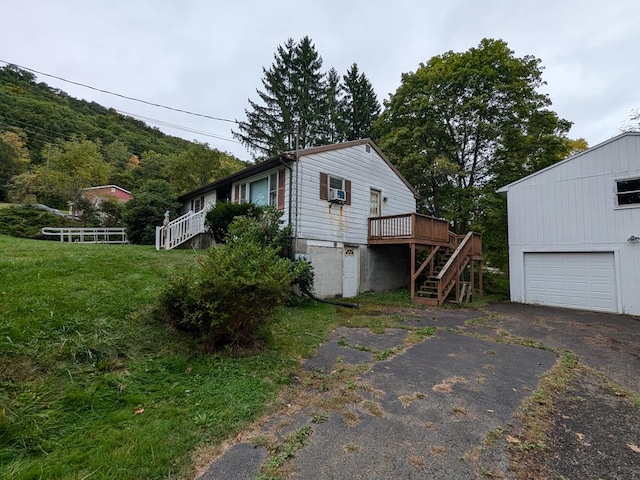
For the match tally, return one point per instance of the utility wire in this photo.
(176, 126)
(120, 95)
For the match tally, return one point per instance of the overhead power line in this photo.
(176, 126)
(120, 95)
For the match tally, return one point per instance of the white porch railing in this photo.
(88, 235)
(180, 230)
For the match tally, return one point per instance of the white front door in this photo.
(349, 272)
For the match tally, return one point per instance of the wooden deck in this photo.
(421, 232)
(409, 228)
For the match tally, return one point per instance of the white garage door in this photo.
(584, 280)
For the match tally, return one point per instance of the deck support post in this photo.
(413, 270)
(472, 277)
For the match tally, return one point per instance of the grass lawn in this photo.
(91, 386)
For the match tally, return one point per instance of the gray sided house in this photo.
(574, 230)
(353, 216)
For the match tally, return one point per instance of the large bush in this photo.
(146, 211)
(229, 294)
(233, 290)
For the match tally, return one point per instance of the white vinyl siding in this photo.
(347, 223)
(572, 206)
(583, 280)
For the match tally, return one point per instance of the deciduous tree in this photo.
(465, 122)
(199, 165)
(68, 167)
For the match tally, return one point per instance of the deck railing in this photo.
(88, 235)
(410, 226)
(180, 230)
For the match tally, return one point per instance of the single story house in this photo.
(352, 214)
(574, 230)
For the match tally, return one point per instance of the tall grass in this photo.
(91, 386)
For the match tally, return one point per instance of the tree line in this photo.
(458, 127)
(53, 145)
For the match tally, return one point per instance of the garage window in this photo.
(628, 191)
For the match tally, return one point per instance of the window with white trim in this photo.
(261, 192)
(336, 183)
(628, 192)
(375, 205)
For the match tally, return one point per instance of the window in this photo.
(628, 191)
(336, 183)
(375, 207)
(197, 204)
(261, 192)
(273, 190)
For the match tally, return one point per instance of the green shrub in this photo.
(27, 221)
(146, 211)
(223, 214)
(230, 294)
(265, 229)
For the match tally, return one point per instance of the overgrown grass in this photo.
(92, 387)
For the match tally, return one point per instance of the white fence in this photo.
(88, 235)
(180, 230)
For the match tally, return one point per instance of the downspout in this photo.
(295, 230)
(290, 184)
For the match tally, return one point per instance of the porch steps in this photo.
(428, 291)
(445, 274)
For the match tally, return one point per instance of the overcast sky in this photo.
(207, 56)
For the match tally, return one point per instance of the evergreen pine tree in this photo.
(293, 106)
(360, 104)
(334, 127)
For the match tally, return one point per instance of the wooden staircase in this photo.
(447, 265)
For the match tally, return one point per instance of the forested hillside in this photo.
(47, 136)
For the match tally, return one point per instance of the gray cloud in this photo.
(207, 56)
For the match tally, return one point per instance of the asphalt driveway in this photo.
(440, 396)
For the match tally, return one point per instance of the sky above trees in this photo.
(208, 57)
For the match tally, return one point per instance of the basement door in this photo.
(349, 272)
(582, 280)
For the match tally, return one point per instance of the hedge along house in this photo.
(352, 214)
(574, 230)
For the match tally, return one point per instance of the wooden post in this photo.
(413, 270)
(472, 275)
(480, 279)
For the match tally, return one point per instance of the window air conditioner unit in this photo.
(336, 195)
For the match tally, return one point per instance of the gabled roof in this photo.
(506, 188)
(289, 157)
(107, 186)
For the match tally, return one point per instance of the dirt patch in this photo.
(446, 386)
(593, 430)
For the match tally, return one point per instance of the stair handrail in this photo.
(180, 230)
(458, 260)
(464, 244)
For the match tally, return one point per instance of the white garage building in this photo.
(574, 230)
